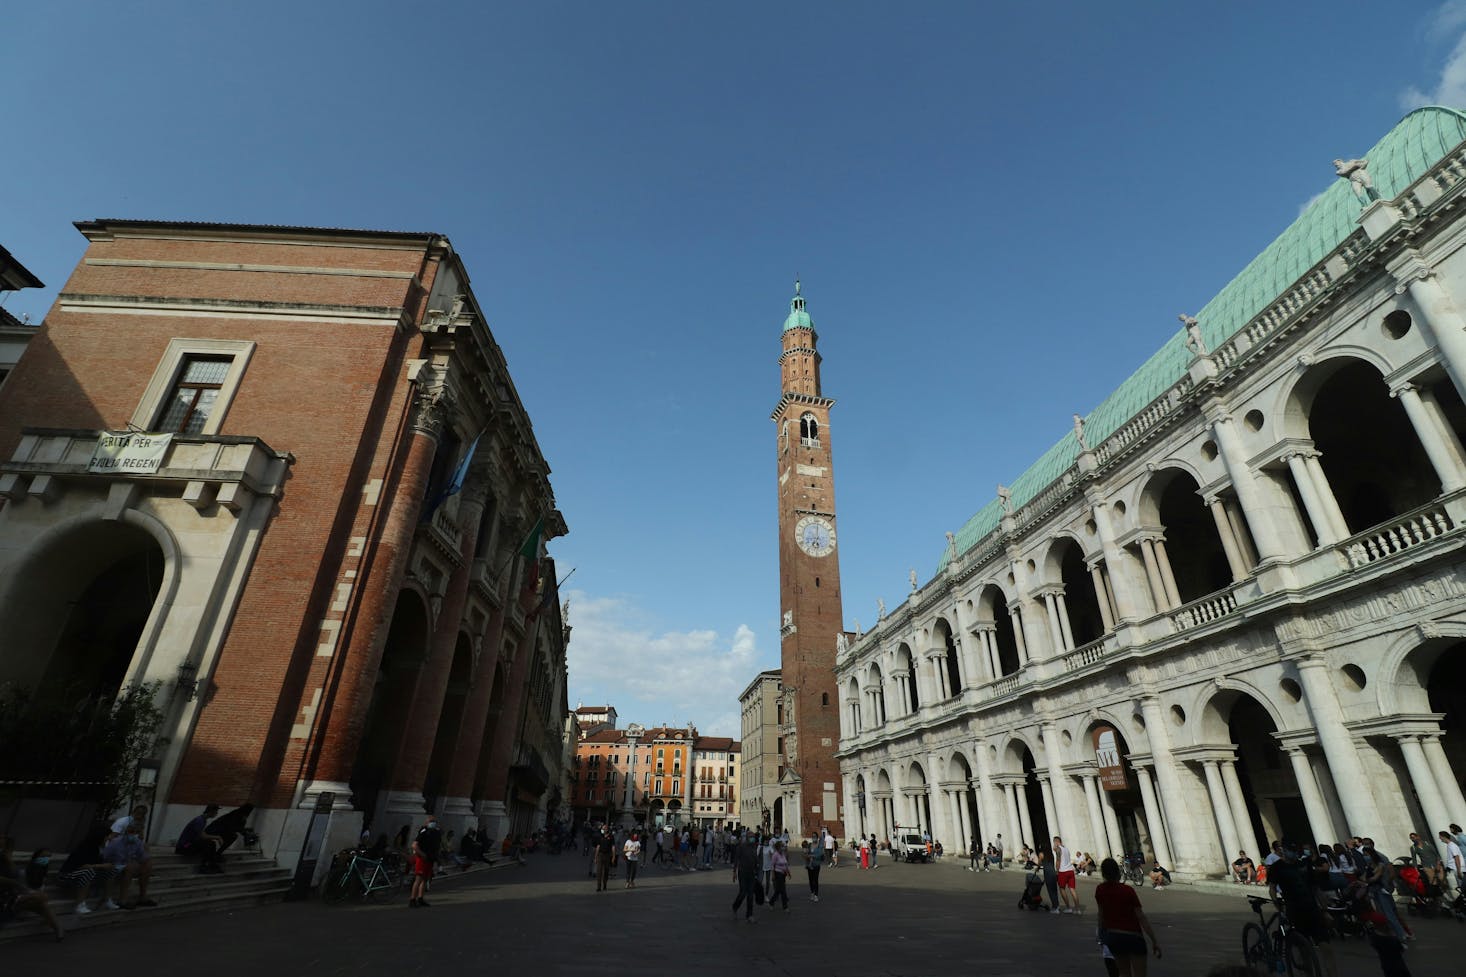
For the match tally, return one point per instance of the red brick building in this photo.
(809, 585)
(327, 546)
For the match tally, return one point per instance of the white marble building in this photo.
(1247, 561)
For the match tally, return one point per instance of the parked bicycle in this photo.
(1134, 871)
(1272, 946)
(353, 875)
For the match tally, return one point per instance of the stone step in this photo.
(217, 896)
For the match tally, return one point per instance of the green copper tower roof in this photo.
(798, 318)
(1407, 152)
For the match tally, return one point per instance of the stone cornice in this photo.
(804, 400)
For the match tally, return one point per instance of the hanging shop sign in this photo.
(1107, 757)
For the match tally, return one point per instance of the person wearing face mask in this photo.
(425, 848)
(1380, 879)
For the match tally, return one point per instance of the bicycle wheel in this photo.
(1301, 956)
(1255, 953)
(340, 885)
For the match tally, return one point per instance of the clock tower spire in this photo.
(809, 586)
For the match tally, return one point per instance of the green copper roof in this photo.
(1417, 142)
(798, 318)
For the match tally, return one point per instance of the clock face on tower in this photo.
(815, 535)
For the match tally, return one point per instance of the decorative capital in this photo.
(432, 404)
(1409, 269)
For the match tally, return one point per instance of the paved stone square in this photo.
(547, 918)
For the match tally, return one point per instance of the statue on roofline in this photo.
(880, 609)
(913, 580)
(952, 547)
(841, 645)
(1356, 171)
(1194, 342)
(1079, 433)
(1005, 496)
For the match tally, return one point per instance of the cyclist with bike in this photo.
(1289, 881)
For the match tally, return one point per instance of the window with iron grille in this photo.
(194, 394)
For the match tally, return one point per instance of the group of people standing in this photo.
(761, 867)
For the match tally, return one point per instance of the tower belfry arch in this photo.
(809, 582)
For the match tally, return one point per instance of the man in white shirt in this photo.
(829, 843)
(138, 814)
(1455, 861)
(1068, 888)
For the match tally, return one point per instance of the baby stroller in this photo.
(1424, 895)
(1347, 909)
(1032, 898)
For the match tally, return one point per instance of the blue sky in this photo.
(997, 212)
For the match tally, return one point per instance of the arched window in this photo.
(809, 429)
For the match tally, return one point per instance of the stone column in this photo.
(1250, 556)
(1016, 614)
(941, 826)
(959, 822)
(1439, 320)
(1222, 808)
(1318, 816)
(1192, 852)
(1423, 779)
(1015, 821)
(989, 637)
(1154, 818)
(1066, 809)
(1056, 630)
(1096, 816)
(1442, 459)
(1246, 836)
(969, 672)
(1153, 575)
(1127, 605)
(1102, 594)
(1440, 765)
(1051, 815)
(1323, 526)
(1338, 746)
(985, 791)
(1326, 495)
(1235, 563)
(1163, 561)
(1234, 458)
(1331, 804)
(1063, 606)
(1024, 818)
(364, 639)
(1112, 823)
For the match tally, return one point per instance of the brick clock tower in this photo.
(809, 586)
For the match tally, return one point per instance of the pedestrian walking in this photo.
(831, 853)
(632, 851)
(865, 853)
(746, 873)
(1068, 889)
(875, 852)
(605, 847)
(1045, 862)
(780, 863)
(425, 848)
(766, 862)
(1122, 921)
(658, 854)
(999, 846)
(813, 857)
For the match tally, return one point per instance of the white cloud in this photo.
(673, 677)
(1310, 202)
(1445, 26)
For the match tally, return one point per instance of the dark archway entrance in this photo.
(1085, 621)
(392, 695)
(1032, 798)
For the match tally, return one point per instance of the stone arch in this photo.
(1373, 464)
(1397, 679)
(1192, 554)
(1122, 825)
(918, 791)
(1010, 754)
(491, 722)
(906, 662)
(854, 709)
(1051, 566)
(876, 683)
(63, 591)
(1001, 647)
(1236, 716)
(1290, 408)
(409, 638)
(942, 639)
